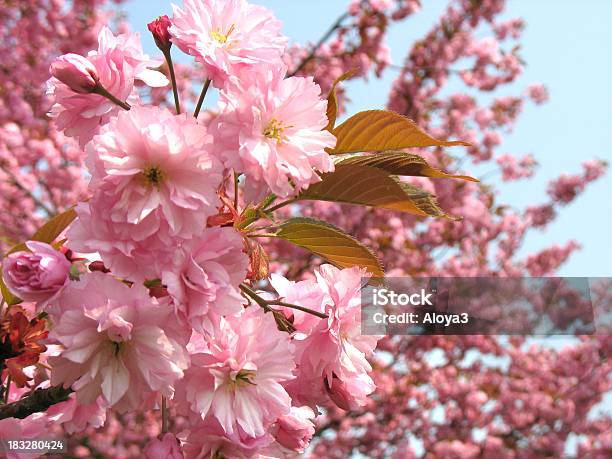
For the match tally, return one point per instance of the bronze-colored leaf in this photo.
(331, 243)
(54, 227)
(401, 163)
(332, 101)
(380, 130)
(369, 186)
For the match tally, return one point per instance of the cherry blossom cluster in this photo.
(191, 282)
(148, 299)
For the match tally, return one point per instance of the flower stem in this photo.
(177, 103)
(102, 91)
(164, 413)
(8, 388)
(235, 191)
(282, 204)
(201, 99)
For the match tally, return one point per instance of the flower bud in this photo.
(76, 72)
(296, 429)
(36, 275)
(339, 393)
(159, 29)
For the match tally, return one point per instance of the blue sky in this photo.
(564, 45)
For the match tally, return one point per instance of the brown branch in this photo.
(18, 184)
(335, 26)
(37, 401)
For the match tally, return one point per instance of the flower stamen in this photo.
(153, 176)
(221, 37)
(274, 130)
(244, 377)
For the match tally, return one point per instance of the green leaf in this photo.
(369, 186)
(331, 243)
(401, 163)
(380, 130)
(332, 101)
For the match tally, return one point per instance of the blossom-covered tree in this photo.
(181, 308)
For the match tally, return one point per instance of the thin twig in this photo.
(266, 304)
(299, 308)
(37, 201)
(7, 390)
(201, 99)
(336, 25)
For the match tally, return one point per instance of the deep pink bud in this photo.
(159, 29)
(76, 72)
(339, 393)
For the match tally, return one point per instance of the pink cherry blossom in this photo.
(134, 252)
(331, 354)
(168, 447)
(204, 276)
(75, 417)
(207, 439)
(229, 37)
(36, 275)
(276, 127)
(31, 428)
(117, 343)
(118, 61)
(147, 161)
(237, 379)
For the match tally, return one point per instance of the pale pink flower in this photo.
(207, 439)
(118, 61)
(119, 343)
(76, 72)
(75, 417)
(331, 354)
(168, 447)
(538, 93)
(237, 378)
(229, 37)
(148, 161)
(36, 275)
(204, 277)
(134, 252)
(271, 128)
(296, 428)
(33, 427)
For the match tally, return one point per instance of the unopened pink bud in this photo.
(296, 429)
(76, 72)
(339, 393)
(159, 29)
